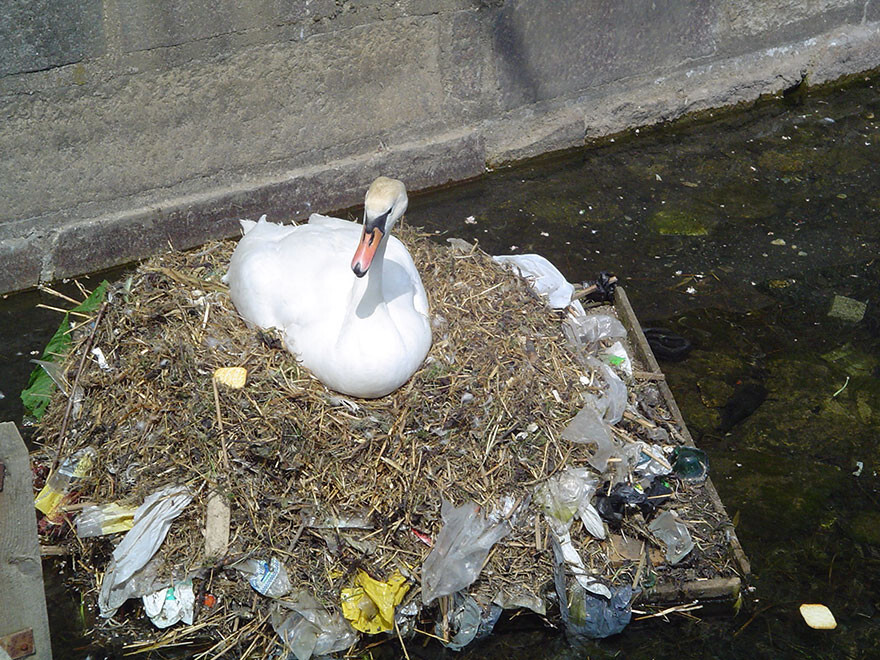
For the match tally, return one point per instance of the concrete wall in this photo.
(126, 125)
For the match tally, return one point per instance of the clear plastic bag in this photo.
(588, 330)
(461, 548)
(568, 495)
(667, 528)
(589, 427)
(612, 403)
(308, 629)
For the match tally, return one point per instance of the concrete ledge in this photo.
(184, 222)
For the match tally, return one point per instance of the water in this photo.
(736, 231)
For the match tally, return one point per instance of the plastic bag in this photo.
(467, 621)
(543, 276)
(648, 464)
(266, 577)
(169, 605)
(152, 520)
(667, 528)
(589, 427)
(562, 498)
(369, 605)
(612, 403)
(588, 330)
(595, 617)
(595, 610)
(460, 549)
(308, 629)
(616, 356)
(568, 495)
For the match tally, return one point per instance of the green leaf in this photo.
(40, 387)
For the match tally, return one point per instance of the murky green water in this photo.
(736, 232)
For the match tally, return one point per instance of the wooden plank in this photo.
(22, 599)
(697, 589)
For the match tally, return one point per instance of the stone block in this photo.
(22, 261)
(259, 110)
(165, 23)
(550, 50)
(114, 239)
(40, 34)
(745, 25)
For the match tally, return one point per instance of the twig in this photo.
(58, 294)
(82, 315)
(72, 396)
(643, 555)
(680, 609)
(224, 457)
(400, 637)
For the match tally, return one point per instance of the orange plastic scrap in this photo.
(369, 605)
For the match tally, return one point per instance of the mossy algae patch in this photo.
(678, 222)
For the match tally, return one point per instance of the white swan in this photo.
(359, 324)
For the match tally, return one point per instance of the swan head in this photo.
(384, 203)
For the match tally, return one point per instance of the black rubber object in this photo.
(667, 345)
(605, 284)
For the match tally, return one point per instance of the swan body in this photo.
(361, 324)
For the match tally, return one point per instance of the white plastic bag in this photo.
(151, 523)
(543, 276)
(169, 605)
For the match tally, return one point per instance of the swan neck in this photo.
(373, 284)
(367, 292)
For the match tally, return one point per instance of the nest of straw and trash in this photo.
(480, 420)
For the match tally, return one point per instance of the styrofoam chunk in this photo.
(818, 616)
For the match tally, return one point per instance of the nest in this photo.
(480, 421)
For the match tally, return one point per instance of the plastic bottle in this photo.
(59, 483)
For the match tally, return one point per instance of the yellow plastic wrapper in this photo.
(104, 519)
(58, 485)
(369, 605)
(233, 377)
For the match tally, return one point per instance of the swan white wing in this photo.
(334, 223)
(281, 275)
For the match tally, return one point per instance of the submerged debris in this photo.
(460, 494)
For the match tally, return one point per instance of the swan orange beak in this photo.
(366, 249)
